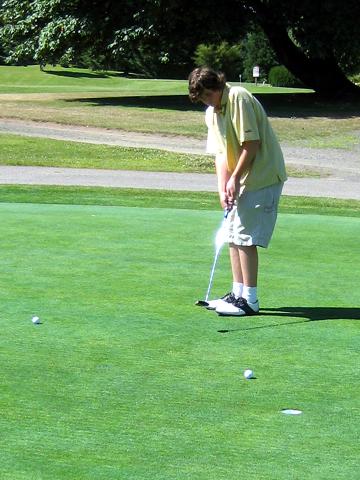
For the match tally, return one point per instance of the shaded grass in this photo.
(131, 197)
(115, 384)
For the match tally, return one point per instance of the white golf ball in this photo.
(248, 374)
(35, 320)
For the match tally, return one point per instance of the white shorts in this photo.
(252, 220)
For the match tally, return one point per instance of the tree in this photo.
(136, 33)
(319, 42)
(61, 31)
(310, 44)
(256, 50)
(224, 57)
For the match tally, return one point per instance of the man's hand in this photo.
(247, 155)
(224, 202)
(232, 191)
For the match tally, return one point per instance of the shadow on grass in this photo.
(94, 74)
(304, 105)
(300, 105)
(76, 74)
(169, 102)
(308, 314)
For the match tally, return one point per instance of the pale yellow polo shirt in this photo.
(243, 118)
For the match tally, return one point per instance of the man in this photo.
(250, 171)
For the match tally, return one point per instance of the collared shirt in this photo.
(241, 119)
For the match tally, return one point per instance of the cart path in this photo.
(342, 166)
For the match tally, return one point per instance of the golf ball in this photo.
(248, 374)
(35, 320)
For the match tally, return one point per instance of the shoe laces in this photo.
(229, 298)
(239, 302)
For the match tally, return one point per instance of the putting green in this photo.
(126, 378)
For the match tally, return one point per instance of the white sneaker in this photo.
(238, 308)
(227, 299)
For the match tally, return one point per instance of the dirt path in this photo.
(342, 167)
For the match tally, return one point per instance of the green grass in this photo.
(131, 197)
(31, 79)
(109, 100)
(18, 150)
(67, 80)
(32, 151)
(126, 378)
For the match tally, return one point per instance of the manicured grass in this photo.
(82, 97)
(131, 197)
(19, 150)
(126, 378)
(31, 79)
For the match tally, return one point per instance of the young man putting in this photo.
(250, 171)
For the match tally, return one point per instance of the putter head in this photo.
(202, 303)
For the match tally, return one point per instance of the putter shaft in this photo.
(212, 273)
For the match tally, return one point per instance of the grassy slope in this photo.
(117, 384)
(19, 150)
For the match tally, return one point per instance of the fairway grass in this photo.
(126, 378)
(30, 79)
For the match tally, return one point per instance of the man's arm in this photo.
(247, 156)
(223, 176)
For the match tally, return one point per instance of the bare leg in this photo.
(235, 263)
(249, 265)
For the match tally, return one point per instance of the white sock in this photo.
(237, 289)
(250, 294)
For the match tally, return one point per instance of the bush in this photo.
(355, 78)
(280, 76)
(223, 57)
(256, 50)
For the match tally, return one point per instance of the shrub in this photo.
(355, 78)
(280, 76)
(223, 57)
(256, 50)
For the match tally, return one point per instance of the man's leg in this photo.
(235, 263)
(244, 264)
(249, 264)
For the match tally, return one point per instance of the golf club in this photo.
(219, 242)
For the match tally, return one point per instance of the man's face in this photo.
(211, 98)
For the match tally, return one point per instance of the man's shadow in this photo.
(307, 314)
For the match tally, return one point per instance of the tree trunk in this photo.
(321, 74)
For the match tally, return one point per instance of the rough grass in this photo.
(80, 97)
(32, 151)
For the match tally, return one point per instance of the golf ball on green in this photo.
(35, 320)
(248, 374)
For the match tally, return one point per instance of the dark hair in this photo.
(204, 78)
